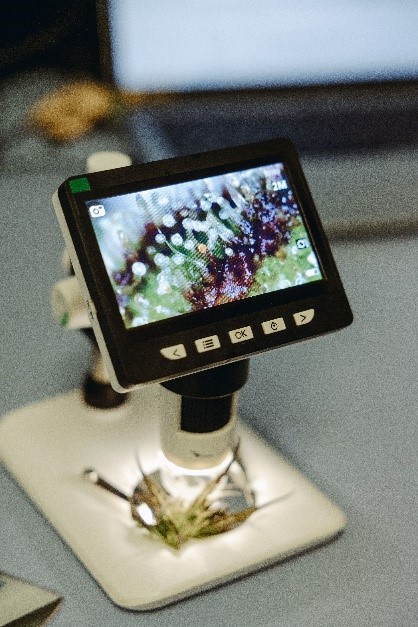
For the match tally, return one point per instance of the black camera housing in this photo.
(209, 336)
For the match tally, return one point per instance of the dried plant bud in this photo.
(175, 521)
(73, 110)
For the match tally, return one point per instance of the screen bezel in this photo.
(124, 344)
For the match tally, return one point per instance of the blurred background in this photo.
(168, 78)
(60, 34)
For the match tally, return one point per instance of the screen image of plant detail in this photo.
(203, 243)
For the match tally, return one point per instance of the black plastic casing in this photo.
(135, 353)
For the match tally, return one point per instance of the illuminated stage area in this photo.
(46, 447)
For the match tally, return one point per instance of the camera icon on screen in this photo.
(97, 211)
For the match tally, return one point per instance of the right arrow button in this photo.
(303, 317)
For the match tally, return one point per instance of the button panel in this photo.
(241, 334)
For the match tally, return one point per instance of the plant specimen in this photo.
(175, 521)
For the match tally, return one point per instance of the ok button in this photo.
(241, 335)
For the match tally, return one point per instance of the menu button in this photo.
(209, 343)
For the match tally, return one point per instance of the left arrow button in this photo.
(174, 352)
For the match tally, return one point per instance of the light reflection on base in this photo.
(232, 493)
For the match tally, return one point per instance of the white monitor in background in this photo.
(193, 45)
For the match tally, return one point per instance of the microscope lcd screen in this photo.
(203, 243)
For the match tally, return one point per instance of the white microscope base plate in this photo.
(46, 446)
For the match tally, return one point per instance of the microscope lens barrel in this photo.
(199, 416)
(207, 444)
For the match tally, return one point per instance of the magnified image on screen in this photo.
(203, 243)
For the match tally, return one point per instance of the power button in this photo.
(273, 326)
(90, 311)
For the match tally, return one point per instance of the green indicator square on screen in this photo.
(79, 185)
